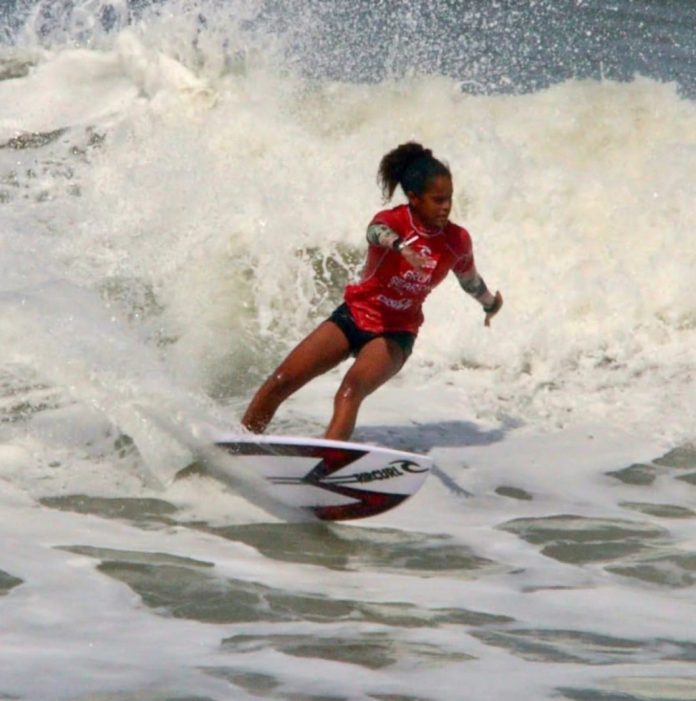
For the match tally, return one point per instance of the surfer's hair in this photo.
(410, 165)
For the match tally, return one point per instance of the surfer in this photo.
(410, 250)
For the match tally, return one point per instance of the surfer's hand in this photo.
(421, 263)
(493, 308)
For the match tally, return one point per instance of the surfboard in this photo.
(334, 480)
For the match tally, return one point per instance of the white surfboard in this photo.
(335, 480)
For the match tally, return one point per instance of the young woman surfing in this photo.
(411, 249)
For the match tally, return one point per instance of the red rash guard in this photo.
(391, 292)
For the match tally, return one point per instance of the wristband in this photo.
(492, 307)
(400, 244)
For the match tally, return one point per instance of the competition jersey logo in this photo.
(399, 304)
(424, 251)
(411, 282)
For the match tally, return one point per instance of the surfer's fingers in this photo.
(493, 309)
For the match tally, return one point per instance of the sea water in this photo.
(184, 190)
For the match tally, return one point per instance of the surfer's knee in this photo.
(351, 390)
(282, 384)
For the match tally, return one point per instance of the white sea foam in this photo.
(190, 214)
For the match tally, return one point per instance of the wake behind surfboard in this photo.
(335, 480)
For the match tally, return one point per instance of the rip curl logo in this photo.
(396, 468)
(431, 262)
(384, 474)
(409, 466)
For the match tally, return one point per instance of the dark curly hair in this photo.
(410, 165)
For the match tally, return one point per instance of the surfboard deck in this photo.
(334, 480)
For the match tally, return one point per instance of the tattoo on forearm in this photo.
(476, 287)
(381, 235)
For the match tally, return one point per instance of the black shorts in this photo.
(357, 337)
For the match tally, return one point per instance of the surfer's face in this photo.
(432, 207)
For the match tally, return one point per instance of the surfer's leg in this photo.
(378, 360)
(321, 351)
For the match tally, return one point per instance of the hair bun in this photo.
(410, 165)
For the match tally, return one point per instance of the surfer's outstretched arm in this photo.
(473, 284)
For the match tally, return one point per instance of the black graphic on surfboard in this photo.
(336, 480)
